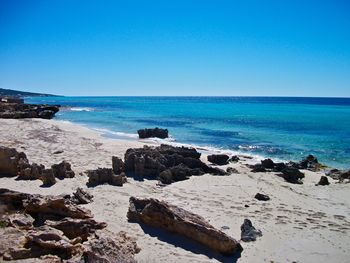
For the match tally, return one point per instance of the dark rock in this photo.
(62, 170)
(219, 159)
(30, 171)
(234, 159)
(249, 232)
(338, 174)
(292, 175)
(48, 177)
(231, 170)
(279, 167)
(323, 181)
(153, 133)
(181, 162)
(81, 197)
(176, 220)
(58, 152)
(262, 197)
(246, 205)
(10, 160)
(103, 176)
(310, 163)
(258, 168)
(117, 164)
(268, 164)
(21, 110)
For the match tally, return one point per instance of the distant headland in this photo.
(17, 93)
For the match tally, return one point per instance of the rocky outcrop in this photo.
(234, 159)
(108, 247)
(262, 197)
(231, 170)
(292, 175)
(10, 160)
(81, 197)
(62, 170)
(21, 110)
(176, 220)
(73, 228)
(167, 163)
(340, 175)
(323, 181)
(219, 159)
(105, 176)
(54, 229)
(13, 163)
(249, 232)
(153, 133)
(117, 165)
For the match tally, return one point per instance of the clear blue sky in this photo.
(223, 48)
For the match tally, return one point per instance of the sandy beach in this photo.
(301, 223)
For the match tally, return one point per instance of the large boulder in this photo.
(292, 175)
(177, 220)
(219, 159)
(103, 176)
(10, 160)
(178, 162)
(62, 170)
(268, 164)
(153, 133)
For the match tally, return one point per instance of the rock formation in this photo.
(219, 159)
(153, 133)
(323, 181)
(21, 110)
(39, 228)
(292, 175)
(249, 232)
(103, 176)
(340, 175)
(176, 220)
(62, 170)
(167, 163)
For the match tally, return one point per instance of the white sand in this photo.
(301, 223)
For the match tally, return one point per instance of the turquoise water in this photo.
(282, 128)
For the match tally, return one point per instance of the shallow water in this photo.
(282, 128)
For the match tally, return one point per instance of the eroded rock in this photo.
(262, 197)
(62, 170)
(292, 175)
(323, 181)
(10, 160)
(103, 176)
(176, 220)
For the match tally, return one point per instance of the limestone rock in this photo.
(105, 175)
(80, 196)
(107, 247)
(174, 219)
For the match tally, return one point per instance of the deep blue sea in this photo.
(277, 127)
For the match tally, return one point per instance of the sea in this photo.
(281, 128)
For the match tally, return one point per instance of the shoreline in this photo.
(302, 223)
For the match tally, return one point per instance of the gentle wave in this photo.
(81, 109)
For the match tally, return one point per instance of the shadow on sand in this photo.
(187, 244)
